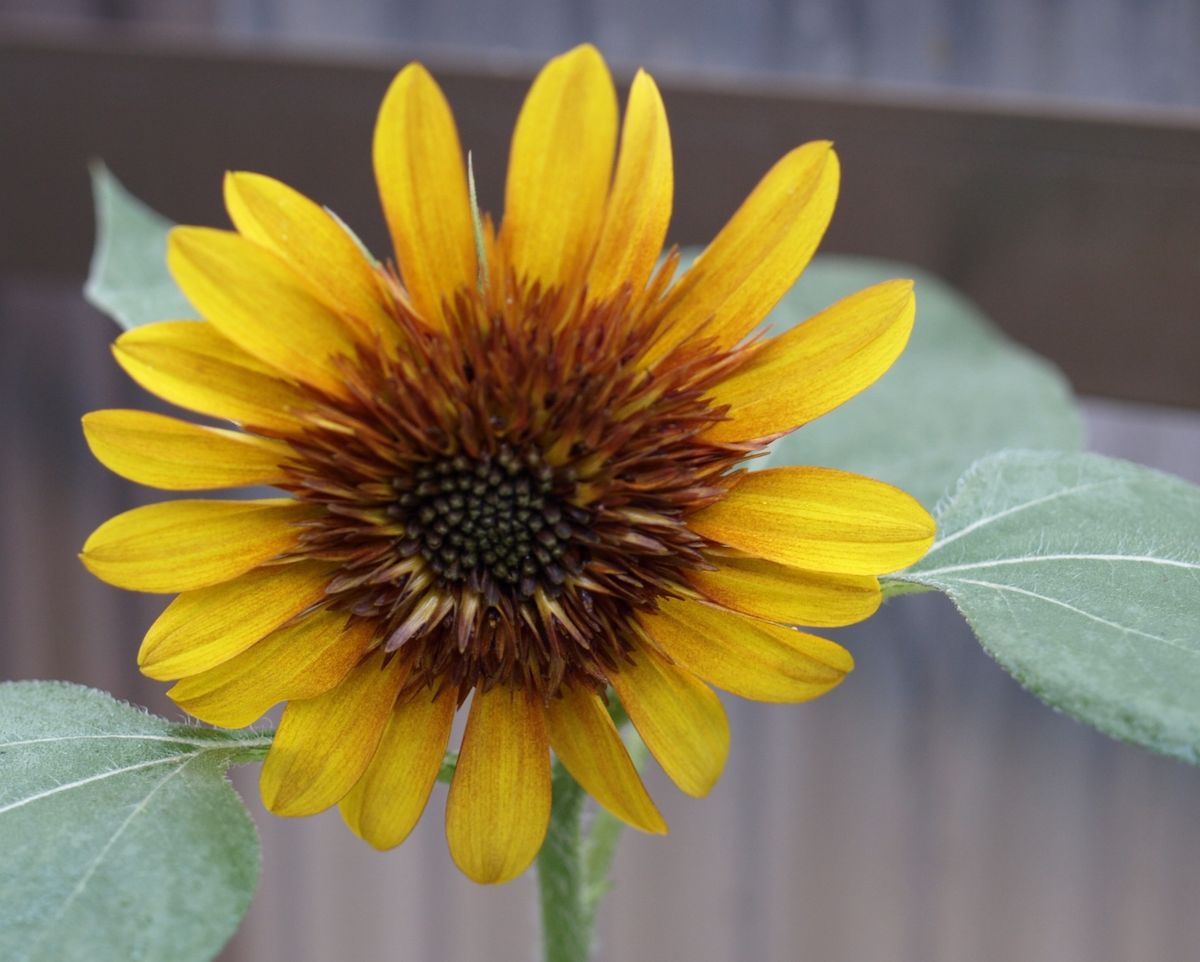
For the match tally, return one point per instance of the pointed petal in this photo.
(181, 545)
(255, 300)
(300, 660)
(423, 187)
(165, 452)
(789, 596)
(317, 248)
(811, 369)
(559, 168)
(386, 803)
(208, 626)
(819, 519)
(679, 718)
(587, 742)
(639, 207)
(758, 254)
(499, 802)
(205, 627)
(324, 744)
(750, 658)
(192, 365)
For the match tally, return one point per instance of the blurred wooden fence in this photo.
(1130, 51)
(927, 811)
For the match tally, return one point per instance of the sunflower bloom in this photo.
(510, 472)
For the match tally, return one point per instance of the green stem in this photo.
(573, 866)
(449, 763)
(562, 880)
(892, 586)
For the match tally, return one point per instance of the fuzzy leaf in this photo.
(1081, 575)
(122, 838)
(128, 278)
(960, 390)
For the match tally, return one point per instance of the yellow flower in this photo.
(513, 478)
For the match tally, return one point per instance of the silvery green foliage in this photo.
(960, 390)
(1081, 575)
(128, 278)
(121, 837)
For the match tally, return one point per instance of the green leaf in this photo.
(1081, 575)
(128, 278)
(960, 390)
(121, 837)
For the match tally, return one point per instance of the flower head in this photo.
(510, 468)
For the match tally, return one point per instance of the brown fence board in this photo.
(1078, 233)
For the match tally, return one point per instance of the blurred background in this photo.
(1042, 156)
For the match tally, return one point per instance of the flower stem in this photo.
(573, 866)
(562, 881)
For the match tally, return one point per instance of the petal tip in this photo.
(586, 50)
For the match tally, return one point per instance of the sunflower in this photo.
(511, 467)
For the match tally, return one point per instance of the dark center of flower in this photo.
(502, 499)
(502, 517)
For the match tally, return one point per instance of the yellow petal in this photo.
(559, 168)
(300, 660)
(819, 519)
(587, 742)
(750, 658)
(811, 369)
(317, 248)
(255, 300)
(790, 596)
(679, 718)
(168, 453)
(499, 801)
(324, 744)
(385, 804)
(192, 365)
(205, 627)
(423, 187)
(181, 545)
(758, 254)
(639, 207)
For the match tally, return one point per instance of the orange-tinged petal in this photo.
(181, 545)
(790, 596)
(301, 660)
(819, 519)
(208, 626)
(254, 299)
(165, 452)
(499, 802)
(811, 369)
(679, 718)
(385, 804)
(318, 249)
(191, 364)
(559, 168)
(639, 206)
(324, 744)
(423, 187)
(587, 742)
(758, 254)
(750, 658)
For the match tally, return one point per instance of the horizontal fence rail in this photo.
(1076, 232)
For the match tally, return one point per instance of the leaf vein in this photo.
(86, 877)
(919, 574)
(206, 744)
(1079, 611)
(1016, 509)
